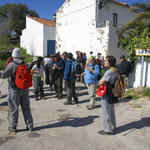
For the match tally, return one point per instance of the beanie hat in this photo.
(16, 53)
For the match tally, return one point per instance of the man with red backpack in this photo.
(18, 91)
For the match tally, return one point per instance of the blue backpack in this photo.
(75, 68)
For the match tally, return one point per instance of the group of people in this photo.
(63, 69)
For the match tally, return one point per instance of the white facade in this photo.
(34, 38)
(135, 77)
(82, 26)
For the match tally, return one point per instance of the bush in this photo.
(5, 54)
(26, 57)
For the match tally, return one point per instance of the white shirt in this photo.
(39, 71)
(47, 61)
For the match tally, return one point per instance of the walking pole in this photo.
(0, 94)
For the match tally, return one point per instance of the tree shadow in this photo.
(46, 95)
(144, 122)
(4, 104)
(3, 96)
(125, 100)
(83, 94)
(72, 122)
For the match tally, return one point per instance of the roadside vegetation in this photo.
(138, 93)
(12, 22)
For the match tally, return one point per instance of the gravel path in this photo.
(59, 127)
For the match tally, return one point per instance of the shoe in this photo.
(36, 99)
(60, 97)
(90, 107)
(75, 102)
(12, 131)
(42, 97)
(29, 129)
(56, 96)
(67, 103)
(104, 133)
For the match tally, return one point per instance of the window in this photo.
(100, 5)
(115, 19)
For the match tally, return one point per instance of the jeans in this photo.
(108, 115)
(38, 86)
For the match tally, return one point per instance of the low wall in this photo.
(135, 76)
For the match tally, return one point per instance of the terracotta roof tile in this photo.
(44, 21)
(120, 3)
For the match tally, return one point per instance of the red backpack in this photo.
(10, 59)
(23, 77)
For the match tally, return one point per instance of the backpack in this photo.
(75, 68)
(23, 78)
(118, 87)
(9, 60)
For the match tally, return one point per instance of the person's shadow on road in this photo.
(72, 122)
(144, 122)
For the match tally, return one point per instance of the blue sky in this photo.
(46, 8)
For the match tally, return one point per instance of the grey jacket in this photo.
(10, 72)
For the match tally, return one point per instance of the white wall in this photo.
(76, 27)
(106, 14)
(32, 37)
(76, 23)
(135, 77)
(49, 34)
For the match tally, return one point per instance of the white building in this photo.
(90, 25)
(39, 36)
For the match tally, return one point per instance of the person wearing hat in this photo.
(90, 76)
(124, 69)
(16, 96)
(38, 71)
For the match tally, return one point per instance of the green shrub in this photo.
(26, 57)
(147, 92)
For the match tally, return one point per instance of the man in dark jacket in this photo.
(70, 78)
(124, 69)
(125, 66)
(58, 68)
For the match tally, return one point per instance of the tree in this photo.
(12, 18)
(136, 33)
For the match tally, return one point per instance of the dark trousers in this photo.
(71, 91)
(58, 86)
(38, 86)
(46, 76)
(51, 81)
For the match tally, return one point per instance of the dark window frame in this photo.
(115, 19)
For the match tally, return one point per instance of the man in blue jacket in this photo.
(91, 73)
(70, 78)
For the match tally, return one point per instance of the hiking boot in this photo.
(75, 102)
(12, 131)
(36, 99)
(104, 133)
(67, 103)
(29, 129)
(90, 107)
(56, 96)
(42, 97)
(60, 97)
